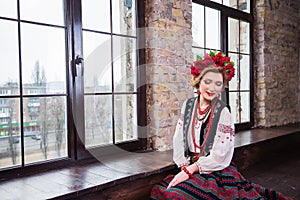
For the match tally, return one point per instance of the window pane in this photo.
(245, 37)
(244, 5)
(245, 72)
(97, 64)
(234, 106)
(212, 22)
(230, 3)
(43, 59)
(124, 64)
(233, 35)
(98, 120)
(234, 83)
(198, 25)
(245, 107)
(9, 57)
(45, 128)
(10, 142)
(123, 17)
(125, 117)
(43, 11)
(8, 8)
(217, 1)
(199, 52)
(96, 15)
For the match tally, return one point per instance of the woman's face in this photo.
(211, 85)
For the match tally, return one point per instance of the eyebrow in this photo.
(207, 79)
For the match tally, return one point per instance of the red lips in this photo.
(210, 94)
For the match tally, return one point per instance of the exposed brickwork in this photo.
(276, 62)
(168, 57)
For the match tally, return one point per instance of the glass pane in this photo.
(212, 22)
(245, 37)
(230, 3)
(45, 128)
(9, 67)
(244, 5)
(97, 62)
(43, 59)
(198, 25)
(199, 52)
(233, 35)
(96, 15)
(124, 17)
(245, 107)
(234, 106)
(217, 1)
(245, 72)
(10, 142)
(43, 11)
(98, 120)
(8, 8)
(124, 58)
(234, 83)
(125, 117)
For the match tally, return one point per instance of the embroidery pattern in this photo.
(181, 117)
(225, 129)
(180, 120)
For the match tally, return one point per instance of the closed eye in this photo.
(207, 81)
(219, 83)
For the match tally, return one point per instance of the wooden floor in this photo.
(116, 176)
(281, 174)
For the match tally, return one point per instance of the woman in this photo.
(203, 142)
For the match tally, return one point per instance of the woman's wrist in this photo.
(187, 172)
(193, 168)
(183, 166)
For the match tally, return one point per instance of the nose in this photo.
(211, 87)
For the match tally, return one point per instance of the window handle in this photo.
(78, 60)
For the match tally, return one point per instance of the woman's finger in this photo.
(172, 183)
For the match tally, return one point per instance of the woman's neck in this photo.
(204, 102)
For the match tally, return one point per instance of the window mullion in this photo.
(77, 79)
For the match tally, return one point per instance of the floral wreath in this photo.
(216, 60)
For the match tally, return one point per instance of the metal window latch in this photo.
(78, 60)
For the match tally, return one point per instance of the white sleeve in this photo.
(178, 144)
(222, 150)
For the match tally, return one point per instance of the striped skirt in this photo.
(225, 184)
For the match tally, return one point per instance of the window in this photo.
(206, 29)
(110, 89)
(243, 5)
(70, 81)
(239, 87)
(217, 27)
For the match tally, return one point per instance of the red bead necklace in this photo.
(207, 132)
(202, 112)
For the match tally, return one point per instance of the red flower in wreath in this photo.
(213, 59)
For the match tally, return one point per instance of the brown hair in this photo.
(195, 81)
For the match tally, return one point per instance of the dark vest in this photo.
(188, 113)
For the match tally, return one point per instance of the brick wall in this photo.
(276, 62)
(168, 57)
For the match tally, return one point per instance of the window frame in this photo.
(226, 13)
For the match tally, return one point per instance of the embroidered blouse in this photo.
(222, 149)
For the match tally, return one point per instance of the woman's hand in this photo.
(180, 177)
